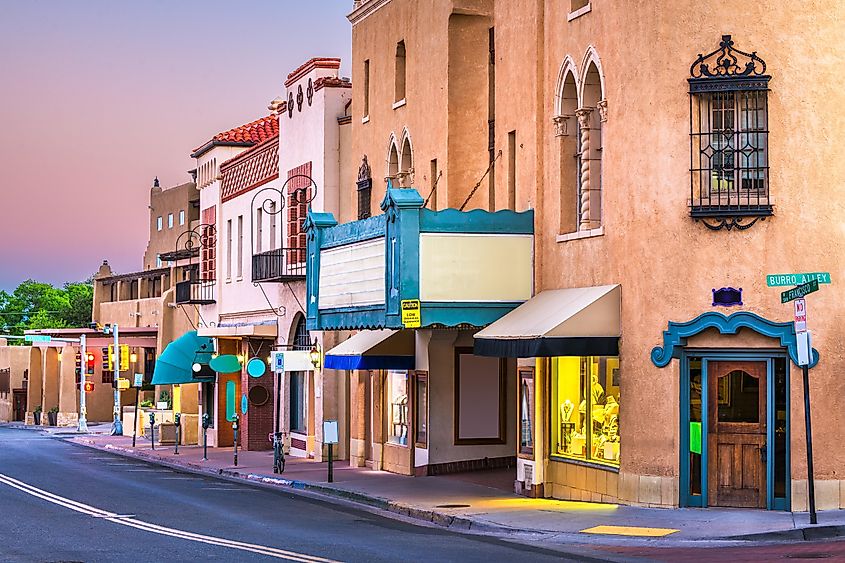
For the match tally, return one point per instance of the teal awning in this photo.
(175, 365)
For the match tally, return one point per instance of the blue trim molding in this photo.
(674, 339)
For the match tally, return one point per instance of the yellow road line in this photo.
(630, 531)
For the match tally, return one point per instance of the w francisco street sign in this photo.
(800, 291)
(775, 280)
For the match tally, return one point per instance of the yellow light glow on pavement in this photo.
(630, 531)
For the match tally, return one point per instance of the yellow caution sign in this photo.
(411, 317)
(122, 383)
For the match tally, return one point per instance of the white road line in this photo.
(122, 519)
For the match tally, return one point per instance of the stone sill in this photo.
(578, 13)
(365, 119)
(399, 104)
(581, 235)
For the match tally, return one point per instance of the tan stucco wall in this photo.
(163, 202)
(668, 264)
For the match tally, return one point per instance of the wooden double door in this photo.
(736, 434)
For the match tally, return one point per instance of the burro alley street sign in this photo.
(777, 280)
(800, 291)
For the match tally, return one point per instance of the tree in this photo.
(37, 305)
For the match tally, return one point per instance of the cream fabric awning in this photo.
(581, 321)
(374, 349)
(242, 330)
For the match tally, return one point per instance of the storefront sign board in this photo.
(330, 432)
(411, 313)
(799, 291)
(777, 280)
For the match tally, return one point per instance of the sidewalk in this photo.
(480, 502)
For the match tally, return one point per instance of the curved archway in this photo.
(568, 140)
(406, 162)
(392, 159)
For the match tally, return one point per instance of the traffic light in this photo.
(78, 371)
(107, 360)
(89, 363)
(89, 386)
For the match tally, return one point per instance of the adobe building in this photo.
(256, 183)
(686, 152)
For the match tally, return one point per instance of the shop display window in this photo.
(526, 411)
(585, 408)
(421, 410)
(397, 407)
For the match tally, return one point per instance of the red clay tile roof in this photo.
(249, 134)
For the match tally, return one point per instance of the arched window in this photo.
(591, 118)
(393, 161)
(301, 339)
(406, 169)
(568, 142)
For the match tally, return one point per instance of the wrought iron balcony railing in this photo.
(195, 292)
(279, 265)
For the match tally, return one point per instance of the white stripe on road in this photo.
(154, 528)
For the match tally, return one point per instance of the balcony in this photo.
(279, 265)
(195, 292)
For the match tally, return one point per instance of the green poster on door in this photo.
(695, 437)
(231, 406)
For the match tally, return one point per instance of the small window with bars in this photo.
(729, 156)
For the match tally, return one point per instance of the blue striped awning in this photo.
(374, 349)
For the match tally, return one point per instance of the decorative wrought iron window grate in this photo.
(729, 130)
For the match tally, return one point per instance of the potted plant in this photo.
(146, 404)
(52, 416)
(163, 401)
(37, 415)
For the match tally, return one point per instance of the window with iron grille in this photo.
(365, 189)
(729, 158)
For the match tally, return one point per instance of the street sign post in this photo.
(329, 438)
(805, 355)
(800, 315)
(799, 291)
(778, 280)
(37, 338)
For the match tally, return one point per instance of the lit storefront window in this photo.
(585, 409)
(397, 407)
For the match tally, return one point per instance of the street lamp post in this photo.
(117, 425)
(83, 410)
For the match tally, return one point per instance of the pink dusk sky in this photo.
(99, 97)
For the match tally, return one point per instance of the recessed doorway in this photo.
(734, 432)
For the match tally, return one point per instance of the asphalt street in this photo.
(63, 502)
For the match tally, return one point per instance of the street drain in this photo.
(809, 556)
(452, 506)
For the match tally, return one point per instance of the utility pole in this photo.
(83, 354)
(117, 426)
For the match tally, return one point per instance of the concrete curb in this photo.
(442, 519)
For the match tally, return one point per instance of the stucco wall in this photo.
(666, 263)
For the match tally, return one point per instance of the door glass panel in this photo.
(780, 427)
(739, 397)
(695, 430)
